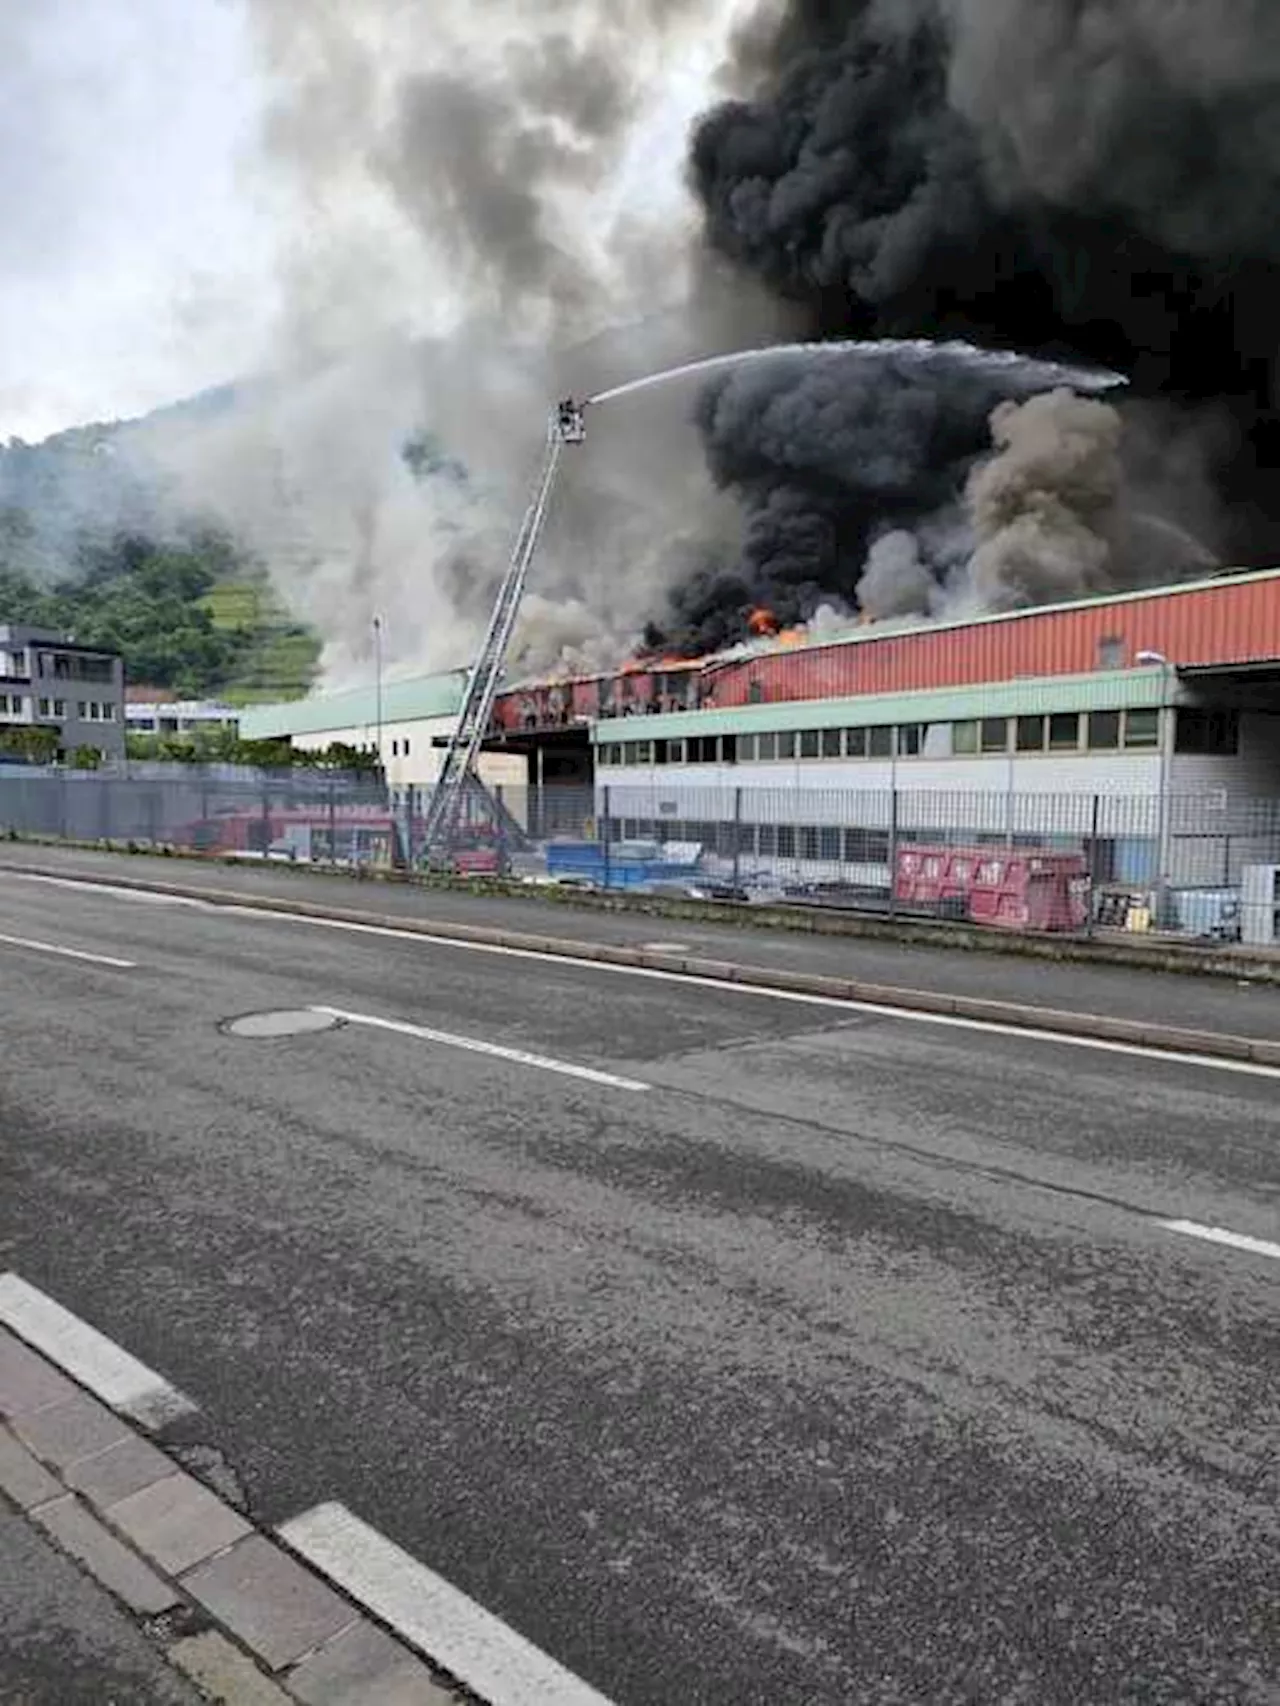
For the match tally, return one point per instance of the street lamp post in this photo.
(1167, 725)
(377, 686)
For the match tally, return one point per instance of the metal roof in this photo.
(892, 630)
(419, 699)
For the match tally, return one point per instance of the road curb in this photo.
(1219, 1045)
(1110, 948)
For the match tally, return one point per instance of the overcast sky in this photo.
(137, 249)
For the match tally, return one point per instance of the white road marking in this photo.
(519, 1056)
(34, 947)
(120, 1380)
(993, 1027)
(146, 897)
(1219, 1235)
(910, 1015)
(464, 1639)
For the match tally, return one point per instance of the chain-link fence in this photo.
(218, 809)
(1205, 865)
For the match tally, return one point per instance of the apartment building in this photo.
(49, 681)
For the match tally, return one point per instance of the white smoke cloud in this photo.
(465, 214)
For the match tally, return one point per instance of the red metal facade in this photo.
(1223, 622)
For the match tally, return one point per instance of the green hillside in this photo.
(195, 617)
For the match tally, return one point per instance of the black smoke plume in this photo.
(1086, 179)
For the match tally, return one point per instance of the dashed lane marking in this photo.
(474, 1045)
(120, 1380)
(908, 1015)
(993, 1027)
(1220, 1235)
(31, 946)
(450, 1630)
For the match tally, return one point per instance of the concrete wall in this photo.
(409, 755)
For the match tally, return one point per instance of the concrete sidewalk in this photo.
(1122, 1002)
(124, 1581)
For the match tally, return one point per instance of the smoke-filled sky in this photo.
(144, 220)
(409, 216)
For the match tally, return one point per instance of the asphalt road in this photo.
(1224, 1004)
(847, 1360)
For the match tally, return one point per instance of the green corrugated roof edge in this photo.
(409, 701)
(1107, 690)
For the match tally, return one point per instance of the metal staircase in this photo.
(457, 782)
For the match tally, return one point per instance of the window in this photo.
(995, 734)
(831, 743)
(1111, 652)
(855, 743)
(1142, 728)
(748, 749)
(768, 746)
(1064, 732)
(810, 743)
(644, 752)
(786, 841)
(787, 744)
(964, 739)
(729, 748)
(880, 741)
(755, 693)
(404, 747)
(660, 751)
(1104, 731)
(1214, 734)
(866, 846)
(911, 739)
(629, 752)
(809, 842)
(1029, 734)
(703, 749)
(829, 844)
(11, 704)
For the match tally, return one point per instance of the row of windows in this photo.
(400, 748)
(1092, 731)
(88, 710)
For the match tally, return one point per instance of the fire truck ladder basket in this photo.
(457, 782)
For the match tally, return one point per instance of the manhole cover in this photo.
(295, 1024)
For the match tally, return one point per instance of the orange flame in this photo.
(762, 623)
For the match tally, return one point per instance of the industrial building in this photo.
(47, 681)
(154, 711)
(1144, 726)
(405, 721)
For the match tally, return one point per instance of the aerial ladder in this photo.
(458, 785)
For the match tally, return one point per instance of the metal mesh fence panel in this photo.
(1198, 865)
